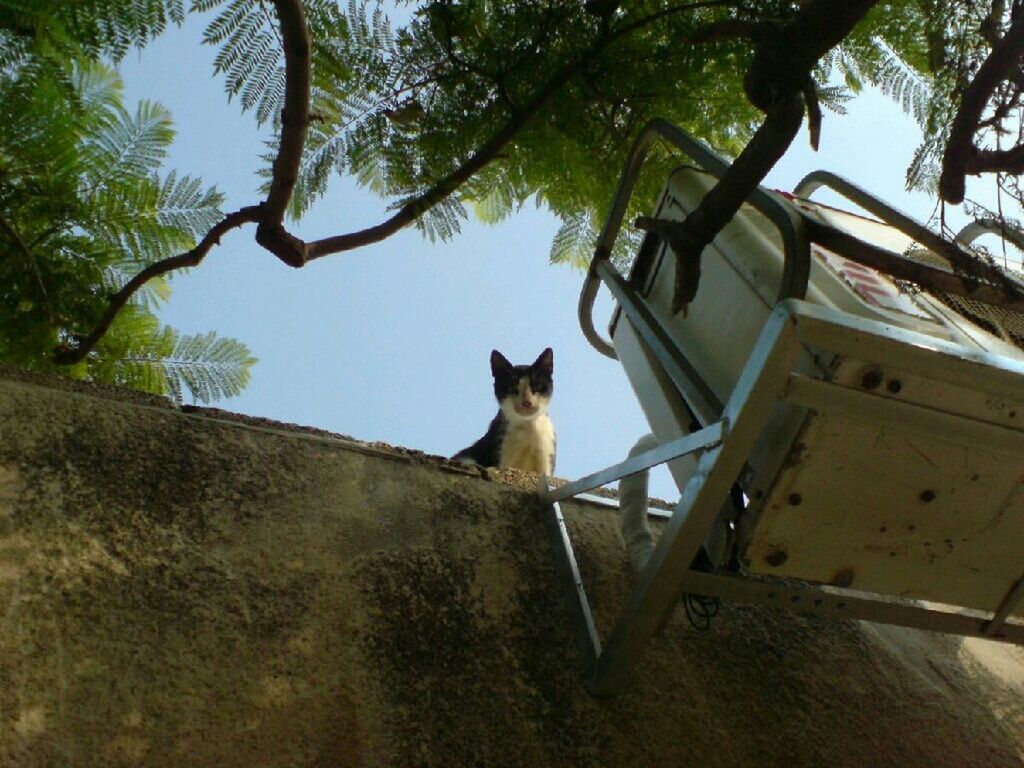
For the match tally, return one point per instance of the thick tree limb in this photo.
(69, 355)
(271, 233)
(785, 57)
(689, 238)
(1003, 292)
(961, 154)
(779, 73)
(996, 161)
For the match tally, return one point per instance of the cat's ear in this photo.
(499, 364)
(546, 362)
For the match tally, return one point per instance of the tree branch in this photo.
(689, 238)
(778, 74)
(68, 355)
(416, 207)
(271, 233)
(960, 149)
(269, 215)
(644, 21)
(487, 152)
(729, 29)
(1002, 291)
(25, 249)
(997, 161)
(784, 59)
(808, 40)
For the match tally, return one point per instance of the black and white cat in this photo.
(521, 435)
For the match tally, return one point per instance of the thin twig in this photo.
(31, 257)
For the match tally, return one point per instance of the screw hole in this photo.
(871, 379)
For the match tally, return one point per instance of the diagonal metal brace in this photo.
(709, 437)
(584, 632)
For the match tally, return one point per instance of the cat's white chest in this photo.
(529, 445)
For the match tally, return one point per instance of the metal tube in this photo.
(1010, 602)
(836, 604)
(908, 225)
(860, 196)
(708, 437)
(584, 631)
(696, 392)
(979, 227)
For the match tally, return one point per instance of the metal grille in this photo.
(1007, 324)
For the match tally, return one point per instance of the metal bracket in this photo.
(709, 437)
(767, 379)
(584, 631)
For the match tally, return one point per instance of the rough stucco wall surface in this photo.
(178, 589)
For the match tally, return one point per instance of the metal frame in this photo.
(785, 217)
(979, 227)
(709, 437)
(792, 329)
(894, 217)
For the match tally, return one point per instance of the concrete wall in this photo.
(194, 589)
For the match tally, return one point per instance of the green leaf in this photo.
(574, 242)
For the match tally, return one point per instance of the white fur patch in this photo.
(529, 441)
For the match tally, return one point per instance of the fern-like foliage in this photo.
(131, 145)
(83, 205)
(442, 221)
(493, 198)
(574, 241)
(250, 55)
(72, 29)
(139, 353)
(354, 54)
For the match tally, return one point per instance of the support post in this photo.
(661, 583)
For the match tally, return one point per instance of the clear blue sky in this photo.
(391, 342)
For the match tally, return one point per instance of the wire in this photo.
(700, 610)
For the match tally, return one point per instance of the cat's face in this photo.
(523, 391)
